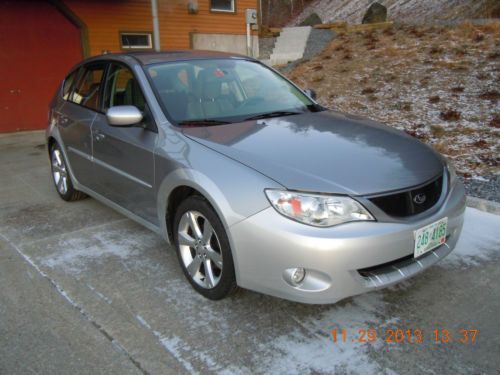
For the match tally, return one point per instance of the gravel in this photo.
(318, 40)
(489, 189)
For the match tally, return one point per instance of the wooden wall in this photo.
(105, 19)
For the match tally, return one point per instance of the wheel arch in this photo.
(182, 183)
(51, 141)
(53, 137)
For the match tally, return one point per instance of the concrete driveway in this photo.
(84, 290)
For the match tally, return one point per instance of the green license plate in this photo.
(430, 237)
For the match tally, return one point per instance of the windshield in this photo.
(211, 92)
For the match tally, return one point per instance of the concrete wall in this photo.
(225, 43)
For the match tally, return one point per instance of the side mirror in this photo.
(310, 93)
(123, 115)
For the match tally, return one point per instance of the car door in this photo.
(81, 93)
(123, 156)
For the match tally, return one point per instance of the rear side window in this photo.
(68, 84)
(87, 90)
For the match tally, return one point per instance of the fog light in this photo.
(298, 275)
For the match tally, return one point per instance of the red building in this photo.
(40, 41)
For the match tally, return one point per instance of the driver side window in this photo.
(122, 89)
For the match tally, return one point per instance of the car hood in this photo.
(326, 152)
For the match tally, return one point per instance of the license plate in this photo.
(430, 237)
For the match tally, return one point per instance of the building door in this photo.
(38, 46)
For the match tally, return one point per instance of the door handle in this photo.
(99, 136)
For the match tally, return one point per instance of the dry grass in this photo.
(391, 52)
(318, 78)
(450, 115)
(458, 66)
(490, 95)
(494, 56)
(495, 122)
(457, 89)
(368, 90)
(483, 76)
(434, 99)
(435, 50)
(403, 106)
(437, 130)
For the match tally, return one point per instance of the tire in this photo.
(203, 250)
(61, 176)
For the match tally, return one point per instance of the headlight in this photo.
(317, 210)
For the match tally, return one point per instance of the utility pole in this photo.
(156, 25)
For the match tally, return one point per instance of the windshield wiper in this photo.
(204, 122)
(273, 114)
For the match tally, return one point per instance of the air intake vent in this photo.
(410, 202)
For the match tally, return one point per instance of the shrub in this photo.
(450, 115)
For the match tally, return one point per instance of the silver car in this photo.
(254, 183)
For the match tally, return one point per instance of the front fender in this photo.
(235, 191)
(222, 195)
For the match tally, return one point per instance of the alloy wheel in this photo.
(200, 249)
(59, 172)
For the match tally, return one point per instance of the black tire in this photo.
(201, 211)
(60, 170)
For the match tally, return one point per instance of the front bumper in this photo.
(340, 261)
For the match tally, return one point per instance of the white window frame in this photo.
(148, 46)
(233, 8)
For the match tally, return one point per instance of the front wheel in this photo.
(61, 177)
(203, 249)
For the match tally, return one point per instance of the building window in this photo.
(136, 40)
(223, 6)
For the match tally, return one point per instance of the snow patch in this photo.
(143, 322)
(310, 348)
(73, 254)
(100, 295)
(479, 240)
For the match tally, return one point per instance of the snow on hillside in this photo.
(406, 11)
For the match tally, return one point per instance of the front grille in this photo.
(381, 268)
(407, 203)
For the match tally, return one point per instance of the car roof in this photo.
(150, 57)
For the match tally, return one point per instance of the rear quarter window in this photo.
(68, 84)
(87, 90)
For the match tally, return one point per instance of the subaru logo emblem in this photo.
(419, 198)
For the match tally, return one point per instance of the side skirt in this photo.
(120, 209)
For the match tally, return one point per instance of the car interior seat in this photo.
(133, 95)
(174, 98)
(211, 101)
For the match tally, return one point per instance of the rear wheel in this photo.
(61, 176)
(203, 249)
